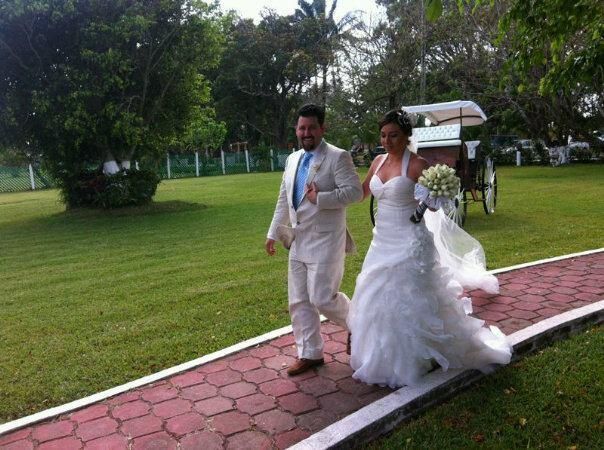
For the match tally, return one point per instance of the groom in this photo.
(319, 182)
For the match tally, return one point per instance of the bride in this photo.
(407, 311)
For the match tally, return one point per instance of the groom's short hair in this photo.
(312, 110)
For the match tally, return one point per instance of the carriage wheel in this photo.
(489, 186)
(372, 209)
(460, 208)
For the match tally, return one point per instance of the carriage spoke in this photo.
(489, 186)
(459, 210)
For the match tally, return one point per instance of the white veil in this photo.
(460, 253)
(412, 144)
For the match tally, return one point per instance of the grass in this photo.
(549, 400)
(90, 300)
(541, 212)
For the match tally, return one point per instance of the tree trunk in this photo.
(281, 132)
(324, 87)
(110, 166)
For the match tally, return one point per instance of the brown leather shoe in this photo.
(302, 365)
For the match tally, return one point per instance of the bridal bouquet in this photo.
(435, 189)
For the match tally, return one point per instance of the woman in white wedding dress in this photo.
(407, 311)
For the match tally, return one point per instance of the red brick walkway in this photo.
(246, 400)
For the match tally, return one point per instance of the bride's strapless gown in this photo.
(407, 308)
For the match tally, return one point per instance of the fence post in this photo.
(272, 161)
(222, 159)
(136, 165)
(518, 158)
(196, 163)
(247, 160)
(168, 164)
(31, 178)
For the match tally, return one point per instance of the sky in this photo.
(252, 8)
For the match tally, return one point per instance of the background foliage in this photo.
(83, 82)
(89, 81)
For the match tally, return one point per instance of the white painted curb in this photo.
(545, 261)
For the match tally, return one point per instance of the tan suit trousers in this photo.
(313, 290)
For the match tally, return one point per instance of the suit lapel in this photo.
(317, 160)
(292, 169)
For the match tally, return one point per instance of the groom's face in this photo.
(309, 132)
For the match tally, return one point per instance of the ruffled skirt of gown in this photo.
(407, 310)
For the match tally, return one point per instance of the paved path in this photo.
(246, 400)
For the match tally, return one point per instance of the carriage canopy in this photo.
(464, 112)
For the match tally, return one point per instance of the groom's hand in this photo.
(270, 247)
(312, 192)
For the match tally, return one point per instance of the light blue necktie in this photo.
(301, 178)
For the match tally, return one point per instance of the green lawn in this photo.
(552, 400)
(90, 300)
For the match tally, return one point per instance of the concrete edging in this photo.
(385, 414)
(545, 261)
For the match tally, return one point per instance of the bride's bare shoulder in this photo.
(417, 165)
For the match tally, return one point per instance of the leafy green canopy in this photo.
(565, 36)
(262, 77)
(270, 68)
(500, 55)
(86, 81)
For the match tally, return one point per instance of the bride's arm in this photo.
(417, 165)
(370, 172)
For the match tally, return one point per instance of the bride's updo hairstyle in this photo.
(399, 117)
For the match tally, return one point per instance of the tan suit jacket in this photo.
(319, 229)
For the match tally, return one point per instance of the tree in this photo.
(322, 36)
(260, 90)
(379, 67)
(93, 82)
(395, 46)
(464, 56)
(565, 37)
(204, 132)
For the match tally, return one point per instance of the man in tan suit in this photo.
(318, 183)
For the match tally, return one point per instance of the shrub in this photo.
(527, 155)
(125, 188)
(581, 154)
(541, 153)
(143, 184)
(261, 158)
(502, 158)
